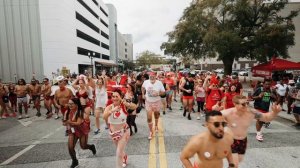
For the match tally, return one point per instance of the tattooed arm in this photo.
(269, 116)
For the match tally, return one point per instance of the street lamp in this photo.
(91, 57)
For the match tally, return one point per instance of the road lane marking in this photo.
(11, 159)
(17, 155)
(152, 149)
(161, 146)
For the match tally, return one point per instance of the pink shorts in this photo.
(153, 106)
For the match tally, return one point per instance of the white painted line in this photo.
(17, 155)
(29, 147)
(25, 123)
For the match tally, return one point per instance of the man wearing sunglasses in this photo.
(239, 119)
(211, 146)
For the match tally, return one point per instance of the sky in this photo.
(148, 21)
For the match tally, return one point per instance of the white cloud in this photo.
(148, 20)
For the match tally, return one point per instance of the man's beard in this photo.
(216, 135)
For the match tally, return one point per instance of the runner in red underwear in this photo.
(187, 87)
(79, 124)
(116, 115)
(82, 93)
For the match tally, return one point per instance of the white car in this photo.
(243, 73)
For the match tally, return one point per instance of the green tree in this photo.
(232, 29)
(128, 65)
(147, 58)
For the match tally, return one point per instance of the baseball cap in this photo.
(60, 78)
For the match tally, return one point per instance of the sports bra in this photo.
(118, 117)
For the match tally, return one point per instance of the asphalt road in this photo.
(40, 143)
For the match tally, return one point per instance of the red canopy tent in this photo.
(275, 64)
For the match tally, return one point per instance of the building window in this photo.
(103, 11)
(106, 57)
(86, 22)
(88, 8)
(105, 24)
(88, 38)
(83, 51)
(103, 45)
(105, 35)
(125, 49)
(125, 55)
(95, 1)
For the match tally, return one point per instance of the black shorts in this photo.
(239, 146)
(5, 99)
(36, 98)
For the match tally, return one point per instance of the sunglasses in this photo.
(218, 124)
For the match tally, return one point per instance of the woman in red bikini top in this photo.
(78, 128)
(82, 94)
(116, 115)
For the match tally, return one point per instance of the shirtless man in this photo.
(35, 95)
(62, 96)
(48, 99)
(211, 146)
(4, 102)
(239, 119)
(22, 90)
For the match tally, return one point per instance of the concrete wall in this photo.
(20, 40)
(113, 32)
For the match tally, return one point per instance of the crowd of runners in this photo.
(118, 98)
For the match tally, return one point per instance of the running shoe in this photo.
(125, 160)
(175, 100)
(267, 125)
(156, 129)
(4, 117)
(93, 149)
(181, 108)
(184, 113)
(26, 116)
(198, 118)
(150, 135)
(38, 114)
(96, 131)
(20, 117)
(170, 108)
(74, 163)
(189, 117)
(56, 117)
(259, 137)
(13, 114)
(164, 112)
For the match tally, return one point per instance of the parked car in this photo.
(235, 72)
(219, 71)
(243, 73)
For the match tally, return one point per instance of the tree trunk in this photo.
(227, 65)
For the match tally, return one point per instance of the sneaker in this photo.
(56, 117)
(267, 125)
(74, 163)
(175, 100)
(38, 114)
(181, 108)
(164, 112)
(170, 108)
(96, 131)
(125, 160)
(26, 116)
(106, 127)
(184, 113)
(198, 118)
(49, 115)
(4, 117)
(13, 114)
(156, 129)
(20, 117)
(189, 117)
(0, 117)
(259, 137)
(93, 149)
(150, 135)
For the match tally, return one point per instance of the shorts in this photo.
(5, 99)
(153, 106)
(169, 92)
(296, 110)
(36, 97)
(21, 100)
(239, 146)
(49, 97)
(188, 97)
